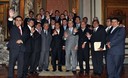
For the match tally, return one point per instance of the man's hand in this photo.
(63, 48)
(19, 42)
(65, 34)
(75, 30)
(32, 30)
(74, 10)
(76, 48)
(55, 32)
(83, 45)
(108, 45)
(100, 49)
(11, 13)
(88, 35)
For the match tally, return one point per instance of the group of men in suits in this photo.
(69, 39)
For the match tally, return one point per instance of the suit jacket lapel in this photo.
(115, 30)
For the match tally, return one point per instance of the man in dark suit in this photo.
(85, 19)
(36, 43)
(56, 47)
(16, 48)
(63, 28)
(28, 44)
(77, 22)
(98, 35)
(31, 15)
(107, 29)
(45, 48)
(83, 48)
(116, 49)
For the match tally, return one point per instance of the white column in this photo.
(87, 10)
(98, 9)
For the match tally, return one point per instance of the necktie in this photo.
(94, 29)
(20, 30)
(45, 32)
(70, 30)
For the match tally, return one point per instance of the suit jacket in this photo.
(71, 40)
(117, 41)
(36, 41)
(98, 36)
(46, 41)
(28, 42)
(57, 40)
(10, 24)
(14, 36)
(83, 38)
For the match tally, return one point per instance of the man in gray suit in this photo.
(71, 46)
(45, 48)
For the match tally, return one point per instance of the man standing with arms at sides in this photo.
(45, 48)
(71, 46)
(83, 48)
(107, 29)
(116, 49)
(16, 48)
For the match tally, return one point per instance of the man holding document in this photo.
(97, 39)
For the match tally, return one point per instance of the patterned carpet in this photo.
(57, 73)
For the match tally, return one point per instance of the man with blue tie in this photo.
(116, 49)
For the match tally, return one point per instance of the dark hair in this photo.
(57, 11)
(77, 17)
(18, 17)
(38, 23)
(42, 9)
(85, 18)
(115, 18)
(38, 14)
(95, 21)
(58, 23)
(64, 19)
(31, 12)
(30, 19)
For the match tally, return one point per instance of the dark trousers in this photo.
(83, 55)
(56, 55)
(63, 57)
(114, 65)
(34, 61)
(97, 61)
(27, 61)
(14, 56)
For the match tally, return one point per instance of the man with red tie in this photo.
(16, 48)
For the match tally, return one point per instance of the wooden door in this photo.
(3, 18)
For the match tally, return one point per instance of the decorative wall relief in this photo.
(28, 6)
(15, 5)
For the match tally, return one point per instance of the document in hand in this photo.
(97, 46)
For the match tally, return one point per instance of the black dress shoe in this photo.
(74, 72)
(40, 70)
(54, 70)
(35, 72)
(67, 70)
(46, 70)
(31, 73)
